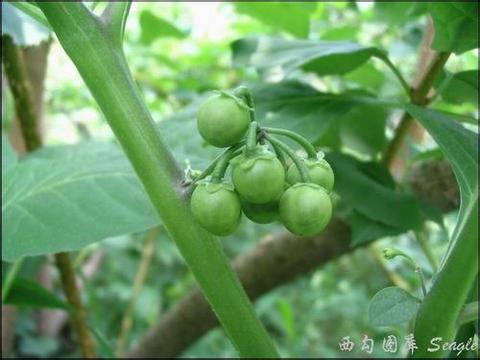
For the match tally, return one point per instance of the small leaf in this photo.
(28, 293)
(292, 17)
(391, 306)
(462, 87)
(22, 28)
(154, 27)
(456, 26)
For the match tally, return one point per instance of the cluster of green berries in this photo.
(263, 186)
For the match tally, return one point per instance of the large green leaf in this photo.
(153, 27)
(22, 28)
(25, 292)
(291, 17)
(63, 198)
(460, 263)
(352, 118)
(280, 56)
(456, 26)
(371, 197)
(462, 87)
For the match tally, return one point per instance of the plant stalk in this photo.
(102, 65)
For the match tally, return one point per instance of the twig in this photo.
(15, 71)
(127, 321)
(423, 242)
(70, 288)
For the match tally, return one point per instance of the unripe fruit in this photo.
(320, 172)
(260, 213)
(305, 209)
(216, 207)
(222, 121)
(260, 178)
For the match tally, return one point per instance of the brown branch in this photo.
(127, 321)
(16, 73)
(69, 285)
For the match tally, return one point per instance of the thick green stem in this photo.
(302, 168)
(304, 143)
(103, 67)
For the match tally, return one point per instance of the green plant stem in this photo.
(302, 168)
(11, 275)
(397, 73)
(209, 169)
(222, 165)
(103, 67)
(427, 250)
(251, 145)
(244, 92)
(280, 155)
(15, 70)
(304, 143)
(419, 97)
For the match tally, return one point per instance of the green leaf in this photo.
(279, 56)
(9, 156)
(293, 18)
(298, 107)
(365, 229)
(391, 306)
(66, 197)
(456, 26)
(28, 293)
(462, 87)
(371, 198)
(460, 264)
(22, 28)
(398, 13)
(153, 27)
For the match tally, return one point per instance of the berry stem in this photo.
(251, 139)
(302, 168)
(280, 155)
(211, 167)
(244, 92)
(304, 143)
(222, 164)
